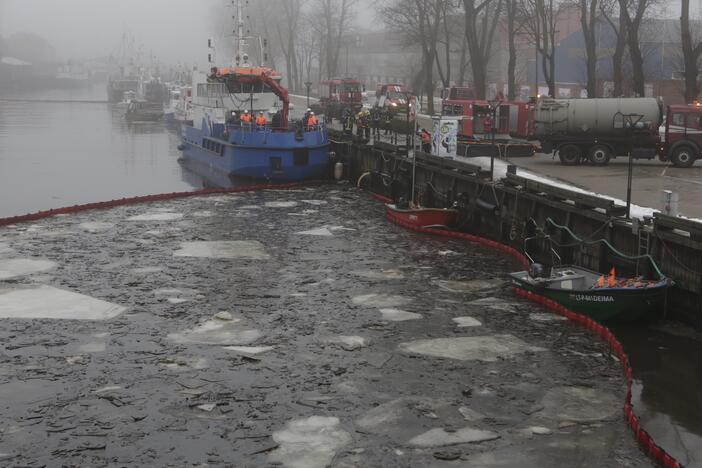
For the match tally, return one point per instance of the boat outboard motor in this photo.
(537, 270)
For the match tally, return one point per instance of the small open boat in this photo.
(422, 217)
(586, 292)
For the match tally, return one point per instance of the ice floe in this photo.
(348, 343)
(470, 414)
(146, 270)
(468, 286)
(379, 275)
(52, 303)
(323, 231)
(381, 301)
(245, 249)
(486, 348)
(397, 315)
(16, 267)
(203, 214)
(5, 249)
(546, 317)
(309, 443)
(281, 204)
(217, 332)
(462, 322)
(579, 404)
(156, 216)
(315, 202)
(95, 226)
(94, 347)
(438, 437)
(249, 349)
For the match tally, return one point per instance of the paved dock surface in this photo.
(295, 328)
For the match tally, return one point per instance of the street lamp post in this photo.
(494, 104)
(308, 85)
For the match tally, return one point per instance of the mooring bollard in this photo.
(670, 202)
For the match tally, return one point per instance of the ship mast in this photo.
(242, 57)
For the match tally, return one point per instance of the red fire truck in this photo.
(338, 94)
(392, 97)
(512, 123)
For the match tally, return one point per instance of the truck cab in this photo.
(338, 94)
(682, 140)
(392, 97)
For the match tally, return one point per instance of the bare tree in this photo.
(542, 16)
(610, 8)
(287, 29)
(691, 52)
(418, 21)
(515, 23)
(633, 13)
(336, 16)
(481, 18)
(449, 29)
(588, 22)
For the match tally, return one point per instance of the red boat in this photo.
(421, 217)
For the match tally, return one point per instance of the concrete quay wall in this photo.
(515, 208)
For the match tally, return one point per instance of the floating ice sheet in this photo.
(462, 322)
(380, 275)
(323, 231)
(397, 315)
(5, 249)
(546, 317)
(487, 348)
(217, 332)
(52, 303)
(16, 267)
(468, 286)
(96, 226)
(381, 301)
(245, 249)
(315, 202)
(203, 214)
(438, 437)
(249, 349)
(281, 204)
(156, 216)
(309, 443)
(348, 343)
(579, 404)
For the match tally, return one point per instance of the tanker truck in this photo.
(597, 130)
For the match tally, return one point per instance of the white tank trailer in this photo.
(598, 129)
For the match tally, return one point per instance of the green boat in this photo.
(584, 291)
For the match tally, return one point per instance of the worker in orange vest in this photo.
(261, 120)
(311, 122)
(246, 117)
(426, 140)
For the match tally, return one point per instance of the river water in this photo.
(63, 148)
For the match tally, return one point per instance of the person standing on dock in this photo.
(426, 140)
(387, 121)
(375, 121)
(347, 122)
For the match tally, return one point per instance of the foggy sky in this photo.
(174, 30)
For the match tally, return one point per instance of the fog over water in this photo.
(173, 30)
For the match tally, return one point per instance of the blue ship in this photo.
(219, 142)
(245, 151)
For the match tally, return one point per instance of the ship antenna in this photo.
(239, 34)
